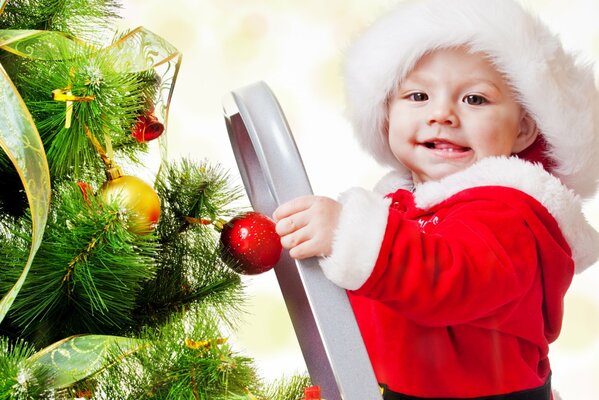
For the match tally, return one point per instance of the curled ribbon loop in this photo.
(143, 50)
(21, 142)
(77, 357)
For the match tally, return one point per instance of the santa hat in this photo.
(556, 89)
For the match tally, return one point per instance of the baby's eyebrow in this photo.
(477, 81)
(419, 79)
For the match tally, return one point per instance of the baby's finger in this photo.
(292, 207)
(291, 223)
(295, 238)
(306, 249)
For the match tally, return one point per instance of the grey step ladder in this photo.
(273, 173)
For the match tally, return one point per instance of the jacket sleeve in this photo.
(480, 257)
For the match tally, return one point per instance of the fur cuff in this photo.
(357, 239)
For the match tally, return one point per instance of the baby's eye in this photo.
(418, 96)
(474, 100)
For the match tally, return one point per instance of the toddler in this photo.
(457, 263)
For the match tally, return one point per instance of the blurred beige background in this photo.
(296, 47)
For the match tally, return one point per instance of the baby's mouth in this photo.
(442, 145)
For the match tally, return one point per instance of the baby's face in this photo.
(453, 109)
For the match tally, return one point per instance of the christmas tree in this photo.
(112, 287)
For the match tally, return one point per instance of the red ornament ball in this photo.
(147, 128)
(249, 243)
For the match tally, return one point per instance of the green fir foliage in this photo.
(82, 19)
(19, 378)
(189, 268)
(290, 388)
(91, 274)
(89, 269)
(187, 358)
(112, 102)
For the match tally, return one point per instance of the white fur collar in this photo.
(562, 203)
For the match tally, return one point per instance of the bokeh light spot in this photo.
(581, 322)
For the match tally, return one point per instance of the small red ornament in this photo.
(147, 128)
(312, 393)
(249, 243)
(84, 393)
(86, 190)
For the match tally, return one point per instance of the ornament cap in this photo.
(113, 172)
(219, 224)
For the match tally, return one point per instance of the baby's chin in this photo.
(438, 173)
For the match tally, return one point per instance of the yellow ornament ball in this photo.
(138, 197)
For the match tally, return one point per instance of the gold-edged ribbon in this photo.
(20, 140)
(142, 50)
(77, 357)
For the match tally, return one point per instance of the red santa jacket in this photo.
(458, 286)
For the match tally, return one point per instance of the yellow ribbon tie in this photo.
(67, 96)
(203, 344)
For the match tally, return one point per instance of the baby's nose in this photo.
(443, 113)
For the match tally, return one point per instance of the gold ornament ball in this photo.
(139, 198)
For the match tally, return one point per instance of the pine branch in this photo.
(288, 388)
(89, 20)
(188, 359)
(19, 380)
(87, 273)
(189, 268)
(196, 190)
(110, 102)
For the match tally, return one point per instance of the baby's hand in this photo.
(306, 225)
